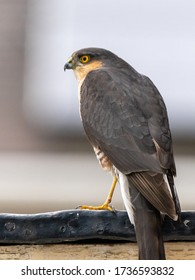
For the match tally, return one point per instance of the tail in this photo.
(148, 227)
(145, 217)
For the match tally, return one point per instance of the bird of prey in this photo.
(126, 122)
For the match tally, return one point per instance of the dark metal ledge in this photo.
(77, 225)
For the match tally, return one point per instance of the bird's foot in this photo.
(104, 206)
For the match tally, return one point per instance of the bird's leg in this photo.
(105, 205)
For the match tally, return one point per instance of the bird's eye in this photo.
(84, 59)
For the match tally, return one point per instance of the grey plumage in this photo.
(125, 117)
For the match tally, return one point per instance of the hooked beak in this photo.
(68, 64)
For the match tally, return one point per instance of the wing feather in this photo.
(116, 119)
(154, 188)
(126, 118)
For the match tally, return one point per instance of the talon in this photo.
(100, 207)
(105, 205)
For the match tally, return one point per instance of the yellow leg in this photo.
(105, 205)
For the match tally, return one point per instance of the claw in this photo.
(104, 206)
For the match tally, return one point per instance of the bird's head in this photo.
(86, 60)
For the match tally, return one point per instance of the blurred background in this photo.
(46, 163)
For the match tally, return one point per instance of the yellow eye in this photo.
(84, 59)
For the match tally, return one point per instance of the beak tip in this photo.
(68, 65)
